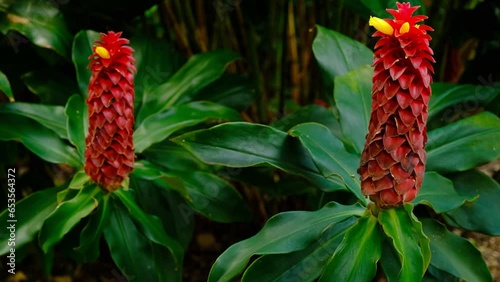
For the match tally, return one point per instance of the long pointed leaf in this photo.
(241, 144)
(464, 144)
(82, 49)
(157, 127)
(151, 226)
(329, 155)
(352, 93)
(77, 122)
(130, 249)
(213, 197)
(44, 202)
(42, 141)
(482, 215)
(67, 215)
(197, 73)
(306, 264)
(436, 188)
(52, 117)
(338, 54)
(398, 226)
(357, 256)
(455, 254)
(5, 86)
(283, 233)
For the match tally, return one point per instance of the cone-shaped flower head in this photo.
(109, 154)
(393, 159)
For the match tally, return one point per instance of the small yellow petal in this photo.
(404, 28)
(381, 25)
(102, 52)
(417, 26)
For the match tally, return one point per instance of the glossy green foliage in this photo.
(283, 233)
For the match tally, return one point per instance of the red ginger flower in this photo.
(109, 154)
(393, 160)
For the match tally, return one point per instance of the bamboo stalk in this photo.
(278, 48)
(306, 51)
(201, 29)
(293, 54)
(233, 43)
(259, 108)
(171, 20)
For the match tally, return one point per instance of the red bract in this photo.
(393, 160)
(109, 154)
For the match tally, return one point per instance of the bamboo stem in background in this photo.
(260, 107)
(201, 29)
(171, 21)
(293, 55)
(278, 49)
(233, 42)
(241, 25)
(307, 36)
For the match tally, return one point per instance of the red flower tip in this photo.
(109, 154)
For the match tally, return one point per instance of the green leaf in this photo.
(5, 86)
(40, 21)
(356, 257)
(352, 93)
(235, 91)
(311, 113)
(389, 261)
(67, 215)
(436, 275)
(79, 180)
(419, 235)
(177, 217)
(157, 127)
(133, 253)
(52, 85)
(156, 63)
(151, 226)
(481, 215)
(77, 122)
(329, 155)
(264, 179)
(464, 144)
(445, 95)
(455, 254)
(91, 233)
(438, 193)
(30, 213)
(283, 233)
(397, 225)
(38, 139)
(52, 117)
(253, 145)
(164, 152)
(307, 264)
(148, 171)
(338, 54)
(82, 49)
(213, 197)
(198, 72)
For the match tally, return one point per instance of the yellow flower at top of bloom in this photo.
(102, 52)
(381, 25)
(404, 28)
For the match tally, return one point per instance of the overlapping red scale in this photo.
(393, 159)
(109, 150)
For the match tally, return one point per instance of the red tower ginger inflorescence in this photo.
(393, 160)
(109, 154)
